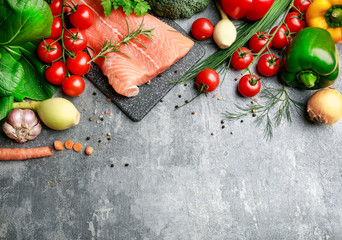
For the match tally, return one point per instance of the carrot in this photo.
(89, 150)
(24, 153)
(58, 145)
(77, 147)
(68, 144)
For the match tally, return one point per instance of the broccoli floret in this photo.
(175, 9)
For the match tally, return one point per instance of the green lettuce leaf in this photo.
(11, 74)
(6, 104)
(23, 21)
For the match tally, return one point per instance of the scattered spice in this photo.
(193, 113)
(255, 100)
(179, 95)
(176, 106)
(126, 164)
(253, 111)
(91, 119)
(159, 75)
(185, 84)
(161, 100)
(241, 121)
(58, 145)
(223, 126)
(215, 95)
(88, 138)
(112, 165)
(77, 147)
(68, 144)
(89, 150)
(253, 115)
(219, 98)
(109, 100)
(176, 71)
(108, 134)
(186, 101)
(212, 133)
(232, 132)
(94, 93)
(236, 79)
(222, 121)
(101, 118)
(109, 139)
(99, 140)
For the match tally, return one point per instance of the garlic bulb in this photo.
(22, 125)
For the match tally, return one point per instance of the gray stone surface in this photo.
(181, 182)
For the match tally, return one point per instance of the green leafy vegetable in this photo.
(5, 106)
(24, 20)
(11, 74)
(140, 7)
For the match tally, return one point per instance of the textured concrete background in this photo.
(181, 182)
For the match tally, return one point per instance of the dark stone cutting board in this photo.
(149, 94)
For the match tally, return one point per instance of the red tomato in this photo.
(56, 73)
(258, 41)
(295, 22)
(56, 7)
(249, 86)
(241, 58)
(202, 29)
(73, 86)
(74, 40)
(251, 9)
(301, 5)
(79, 65)
(49, 51)
(268, 65)
(207, 80)
(56, 29)
(282, 38)
(82, 18)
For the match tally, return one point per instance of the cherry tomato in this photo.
(208, 79)
(79, 65)
(56, 73)
(56, 29)
(282, 38)
(301, 5)
(251, 9)
(258, 41)
(295, 21)
(249, 86)
(74, 40)
(268, 65)
(49, 51)
(82, 18)
(73, 86)
(241, 58)
(56, 7)
(202, 29)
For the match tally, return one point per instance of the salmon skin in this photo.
(139, 64)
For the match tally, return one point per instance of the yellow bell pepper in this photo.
(326, 14)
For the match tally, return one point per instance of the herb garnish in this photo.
(140, 7)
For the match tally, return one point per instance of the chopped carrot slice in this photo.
(77, 147)
(89, 150)
(58, 145)
(68, 144)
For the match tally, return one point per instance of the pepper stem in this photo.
(308, 78)
(336, 15)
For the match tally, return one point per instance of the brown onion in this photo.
(22, 125)
(325, 106)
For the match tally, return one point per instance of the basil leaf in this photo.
(11, 74)
(34, 85)
(107, 7)
(23, 21)
(6, 104)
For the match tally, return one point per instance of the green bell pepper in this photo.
(311, 61)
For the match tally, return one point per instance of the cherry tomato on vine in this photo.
(56, 7)
(249, 86)
(295, 21)
(56, 73)
(202, 29)
(268, 65)
(258, 41)
(207, 80)
(49, 51)
(301, 5)
(82, 18)
(282, 38)
(74, 40)
(79, 65)
(73, 86)
(241, 58)
(56, 29)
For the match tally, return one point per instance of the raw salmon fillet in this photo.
(124, 73)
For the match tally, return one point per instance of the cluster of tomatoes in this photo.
(63, 50)
(268, 64)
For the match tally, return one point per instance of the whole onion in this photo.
(325, 106)
(22, 125)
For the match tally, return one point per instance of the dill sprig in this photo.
(244, 32)
(110, 46)
(277, 102)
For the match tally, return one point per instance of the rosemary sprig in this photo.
(110, 46)
(276, 101)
